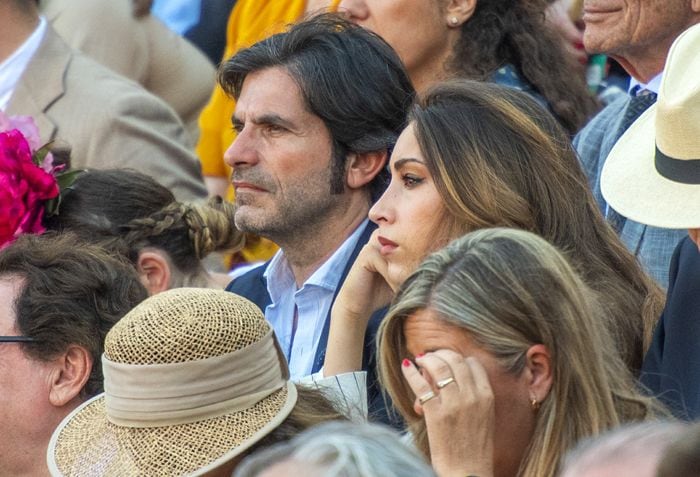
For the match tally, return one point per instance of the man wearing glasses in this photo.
(57, 303)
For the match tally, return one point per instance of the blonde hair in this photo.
(510, 289)
(499, 160)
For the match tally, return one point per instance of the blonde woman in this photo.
(494, 357)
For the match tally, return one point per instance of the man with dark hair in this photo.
(57, 302)
(318, 110)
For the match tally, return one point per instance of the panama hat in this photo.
(193, 377)
(652, 174)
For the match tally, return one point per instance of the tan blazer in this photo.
(142, 49)
(106, 120)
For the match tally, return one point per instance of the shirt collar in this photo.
(280, 278)
(13, 67)
(653, 85)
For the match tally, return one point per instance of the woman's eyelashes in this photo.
(410, 180)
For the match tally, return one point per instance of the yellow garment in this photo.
(250, 22)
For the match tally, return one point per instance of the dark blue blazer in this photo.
(253, 286)
(671, 368)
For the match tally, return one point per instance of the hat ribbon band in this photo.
(154, 395)
(685, 171)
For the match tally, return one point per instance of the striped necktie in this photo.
(641, 100)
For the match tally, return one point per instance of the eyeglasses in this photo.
(16, 339)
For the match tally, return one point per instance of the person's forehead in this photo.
(9, 289)
(270, 90)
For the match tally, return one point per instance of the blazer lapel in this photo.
(323, 340)
(42, 84)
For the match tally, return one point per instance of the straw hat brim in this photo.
(632, 186)
(87, 444)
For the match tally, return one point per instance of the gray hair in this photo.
(640, 444)
(343, 449)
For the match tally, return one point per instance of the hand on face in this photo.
(460, 418)
(367, 287)
(364, 291)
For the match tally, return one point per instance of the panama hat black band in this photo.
(685, 171)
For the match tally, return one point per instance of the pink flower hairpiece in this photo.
(30, 183)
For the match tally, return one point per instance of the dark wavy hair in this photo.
(348, 76)
(72, 294)
(502, 32)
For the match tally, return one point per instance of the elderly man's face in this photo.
(24, 388)
(622, 27)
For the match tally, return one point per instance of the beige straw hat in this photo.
(652, 175)
(193, 377)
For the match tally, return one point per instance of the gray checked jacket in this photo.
(653, 246)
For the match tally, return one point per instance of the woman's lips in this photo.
(388, 246)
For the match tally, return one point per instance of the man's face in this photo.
(623, 27)
(281, 159)
(24, 388)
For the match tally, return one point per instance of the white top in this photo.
(348, 391)
(12, 68)
(312, 303)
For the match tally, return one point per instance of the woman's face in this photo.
(410, 214)
(425, 332)
(417, 29)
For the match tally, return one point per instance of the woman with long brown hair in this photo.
(477, 155)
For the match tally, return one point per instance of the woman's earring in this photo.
(535, 404)
(454, 21)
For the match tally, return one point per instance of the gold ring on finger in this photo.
(426, 397)
(444, 382)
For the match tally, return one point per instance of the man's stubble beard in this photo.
(302, 215)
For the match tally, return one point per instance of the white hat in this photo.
(652, 175)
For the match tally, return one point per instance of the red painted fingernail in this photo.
(420, 355)
(405, 363)
(578, 45)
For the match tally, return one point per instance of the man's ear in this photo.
(459, 11)
(695, 6)
(154, 271)
(538, 364)
(69, 375)
(364, 167)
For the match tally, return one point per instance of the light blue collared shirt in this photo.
(312, 301)
(178, 15)
(653, 85)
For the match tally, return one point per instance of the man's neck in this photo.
(643, 69)
(306, 253)
(15, 27)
